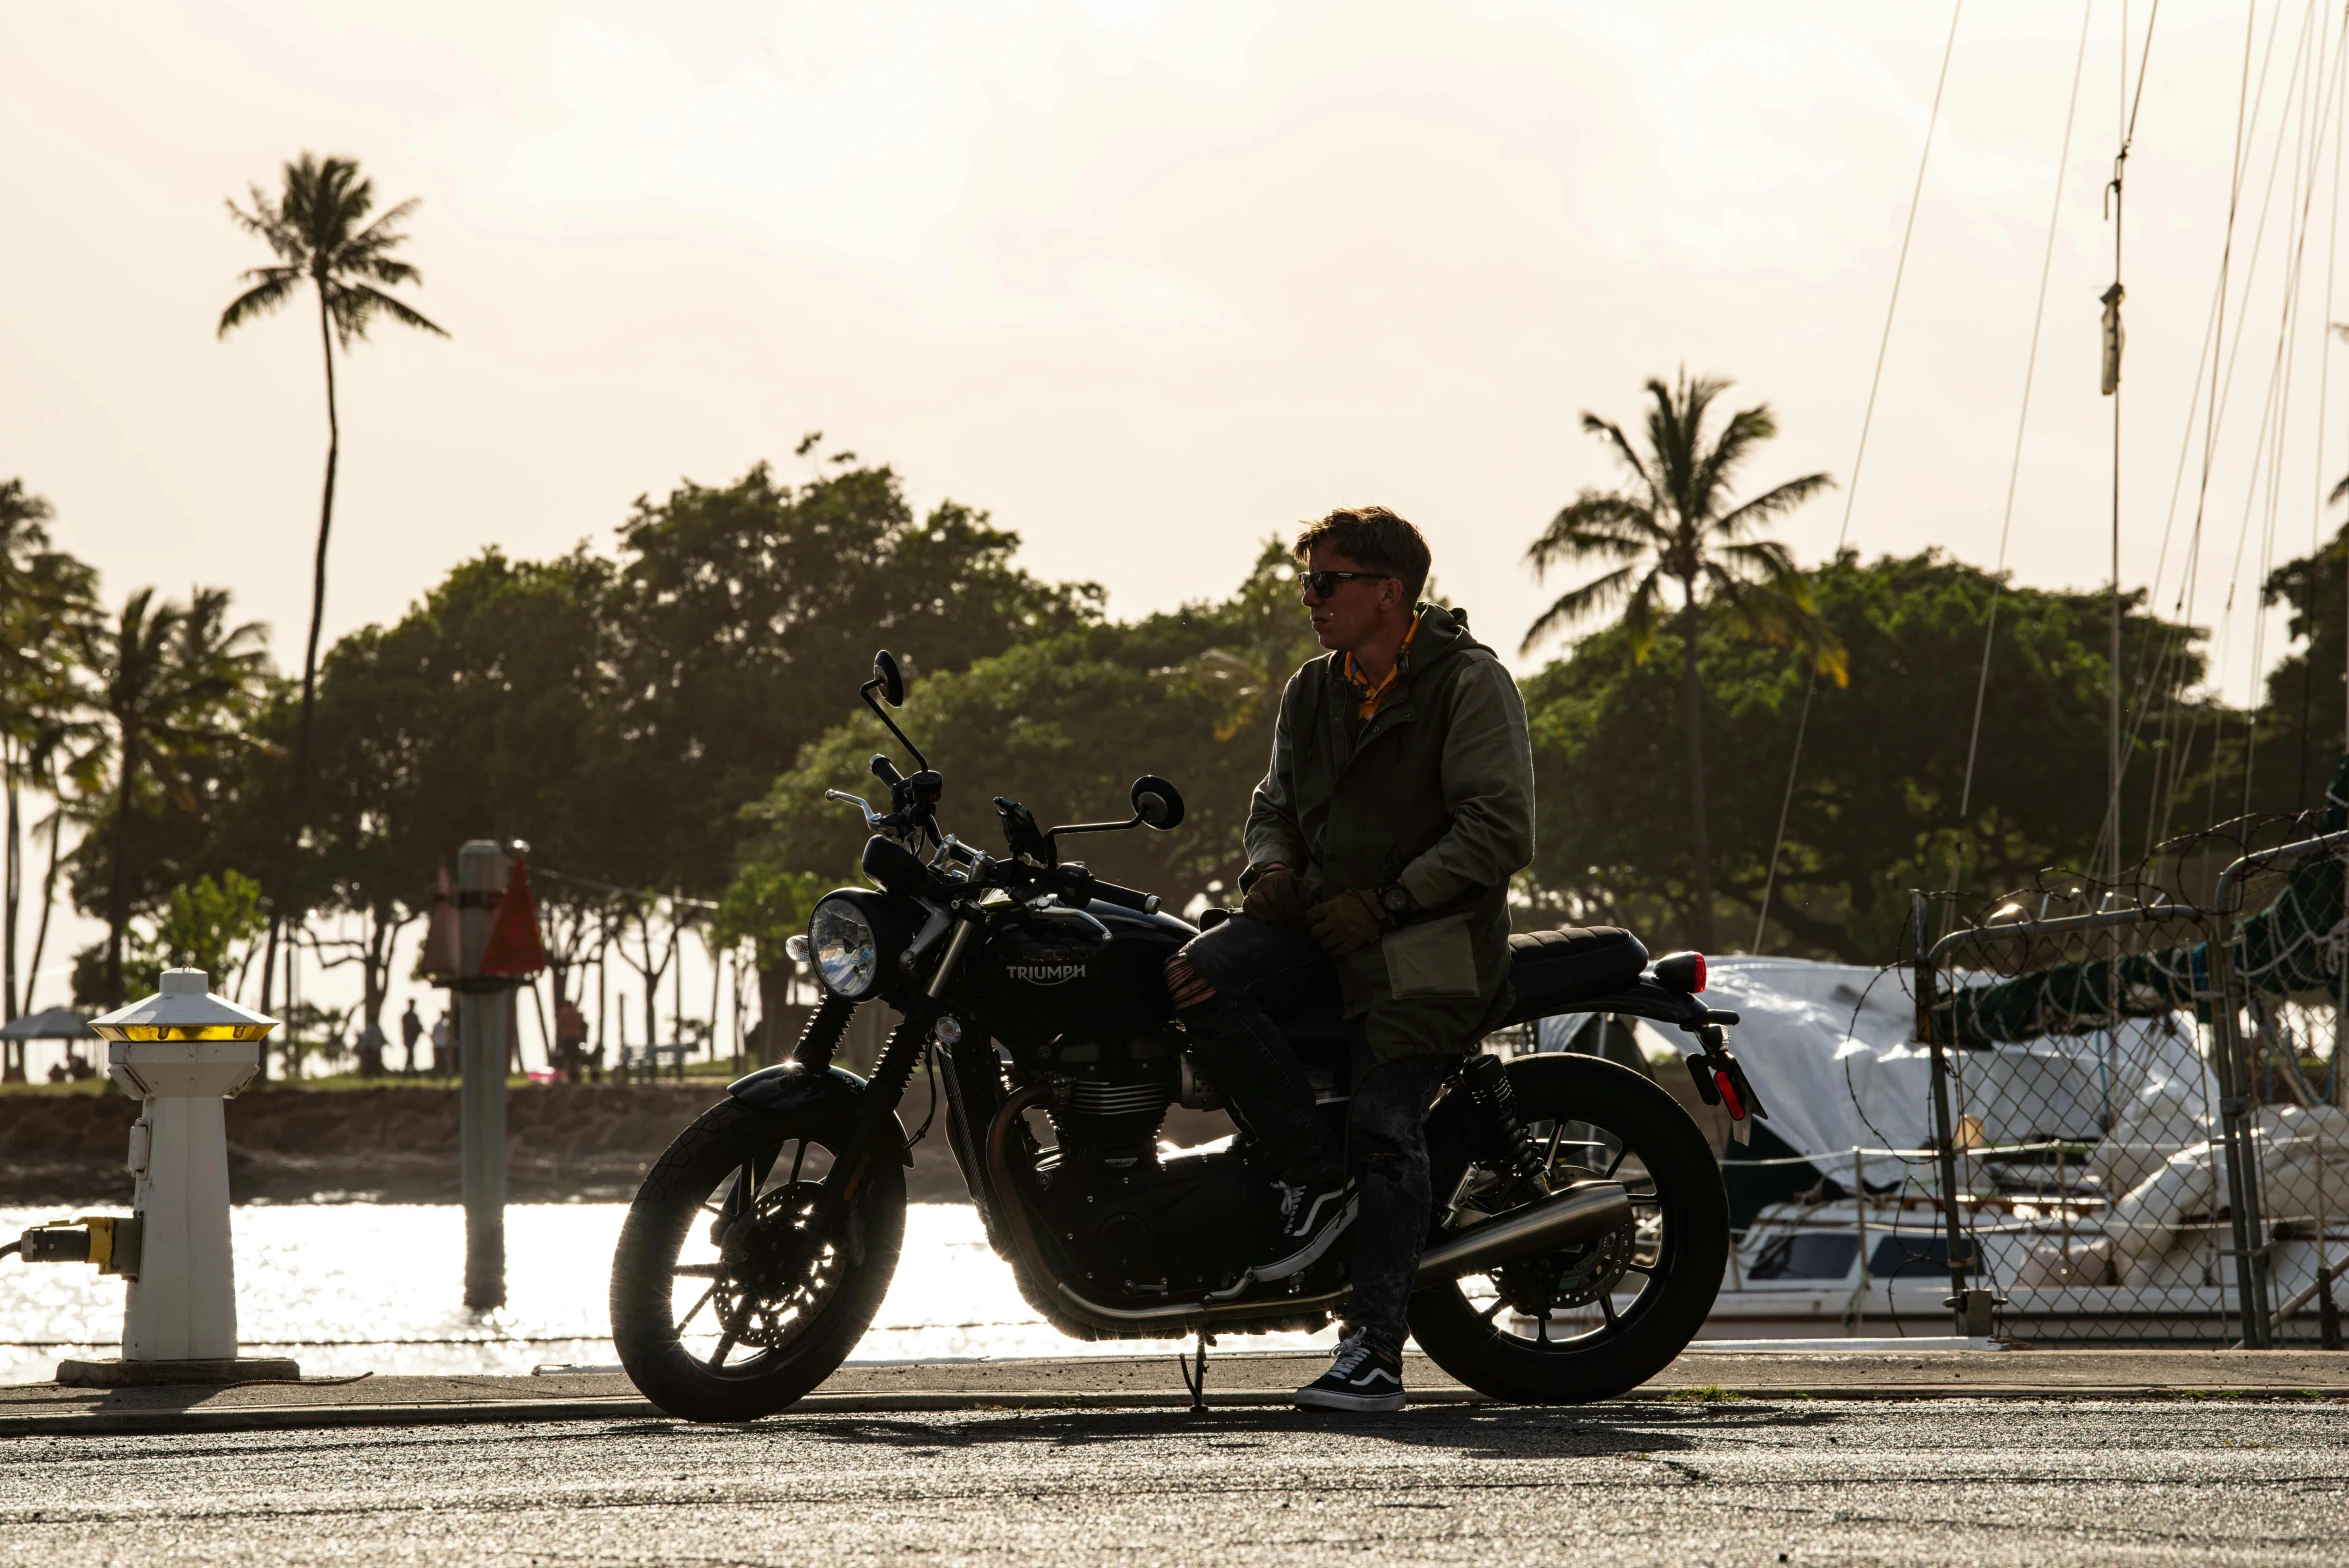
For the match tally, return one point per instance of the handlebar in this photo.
(1125, 897)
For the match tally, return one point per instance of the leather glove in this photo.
(1278, 898)
(1351, 920)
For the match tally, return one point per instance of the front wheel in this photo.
(730, 1298)
(1600, 1318)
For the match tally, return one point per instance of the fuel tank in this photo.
(1096, 973)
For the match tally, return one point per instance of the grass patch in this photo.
(1709, 1394)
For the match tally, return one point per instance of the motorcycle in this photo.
(1577, 1240)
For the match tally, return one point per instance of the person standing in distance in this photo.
(411, 1031)
(1398, 804)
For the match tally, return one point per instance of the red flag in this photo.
(514, 950)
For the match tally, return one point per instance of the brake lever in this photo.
(873, 819)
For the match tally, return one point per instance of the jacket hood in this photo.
(1441, 631)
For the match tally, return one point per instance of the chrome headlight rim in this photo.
(844, 949)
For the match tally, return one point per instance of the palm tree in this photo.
(319, 231)
(46, 596)
(173, 681)
(1677, 524)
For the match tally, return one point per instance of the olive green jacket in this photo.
(1435, 791)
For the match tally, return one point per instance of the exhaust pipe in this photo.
(1583, 1212)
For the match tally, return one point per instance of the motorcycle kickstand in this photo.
(1195, 1373)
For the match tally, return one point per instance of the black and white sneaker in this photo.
(1367, 1375)
(1313, 1216)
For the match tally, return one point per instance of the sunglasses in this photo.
(1322, 584)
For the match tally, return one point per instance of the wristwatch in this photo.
(1395, 900)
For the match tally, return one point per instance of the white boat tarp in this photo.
(1830, 1050)
(1828, 1047)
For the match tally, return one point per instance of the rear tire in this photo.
(798, 1302)
(1604, 1120)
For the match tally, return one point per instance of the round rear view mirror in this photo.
(1158, 803)
(892, 678)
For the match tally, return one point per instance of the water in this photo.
(360, 1287)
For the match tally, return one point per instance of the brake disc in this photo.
(1573, 1276)
(777, 1267)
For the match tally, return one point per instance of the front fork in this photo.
(876, 1133)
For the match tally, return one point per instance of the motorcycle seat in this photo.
(1552, 969)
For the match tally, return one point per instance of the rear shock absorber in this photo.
(1488, 1085)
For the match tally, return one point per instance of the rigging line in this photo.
(2260, 439)
(2235, 348)
(2313, 108)
(2323, 392)
(2114, 764)
(2112, 678)
(649, 895)
(2220, 384)
(2316, 519)
(2014, 470)
(2212, 331)
(2172, 644)
(1851, 492)
(2152, 19)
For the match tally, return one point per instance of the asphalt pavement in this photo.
(1703, 1477)
(1246, 1379)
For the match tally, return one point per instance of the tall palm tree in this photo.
(318, 227)
(173, 681)
(46, 597)
(1677, 525)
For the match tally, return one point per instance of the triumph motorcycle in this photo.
(1579, 1229)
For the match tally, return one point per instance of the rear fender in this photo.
(1643, 998)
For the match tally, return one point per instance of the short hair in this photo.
(1371, 536)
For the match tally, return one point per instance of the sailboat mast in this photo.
(2113, 338)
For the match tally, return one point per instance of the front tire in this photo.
(719, 1257)
(1596, 1320)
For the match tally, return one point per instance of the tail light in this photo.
(1682, 971)
(1730, 1099)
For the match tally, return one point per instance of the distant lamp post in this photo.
(182, 1052)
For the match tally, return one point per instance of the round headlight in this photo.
(847, 958)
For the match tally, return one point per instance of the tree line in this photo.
(657, 719)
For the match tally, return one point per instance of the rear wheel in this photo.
(730, 1298)
(1602, 1317)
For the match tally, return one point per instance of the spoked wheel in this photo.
(1599, 1318)
(731, 1297)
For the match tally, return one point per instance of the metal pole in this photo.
(2235, 1088)
(2234, 1104)
(484, 1014)
(1944, 1133)
(1859, 1196)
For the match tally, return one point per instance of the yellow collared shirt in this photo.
(1372, 694)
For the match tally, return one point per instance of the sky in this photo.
(1152, 281)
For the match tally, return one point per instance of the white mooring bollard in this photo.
(182, 1052)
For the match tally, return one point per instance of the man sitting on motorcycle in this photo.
(1380, 845)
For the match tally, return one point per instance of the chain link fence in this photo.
(2140, 1108)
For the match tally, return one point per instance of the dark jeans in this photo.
(1260, 974)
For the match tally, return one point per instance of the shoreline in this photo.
(397, 1143)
